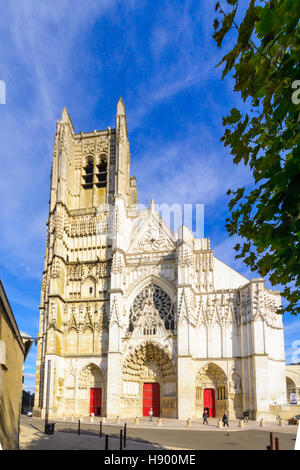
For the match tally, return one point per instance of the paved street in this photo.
(149, 436)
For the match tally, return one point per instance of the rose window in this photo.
(152, 297)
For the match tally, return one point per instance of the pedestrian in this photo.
(205, 416)
(225, 420)
(246, 416)
(150, 414)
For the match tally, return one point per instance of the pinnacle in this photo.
(121, 106)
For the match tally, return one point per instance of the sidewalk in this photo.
(176, 424)
(147, 436)
(33, 439)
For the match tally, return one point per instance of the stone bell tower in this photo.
(88, 171)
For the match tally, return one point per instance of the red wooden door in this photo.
(96, 401)
(209, 401)
(151, 399)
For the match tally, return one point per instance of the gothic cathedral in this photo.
(134, 316)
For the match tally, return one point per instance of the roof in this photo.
(24, 340)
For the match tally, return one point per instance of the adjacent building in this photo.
(14, 347)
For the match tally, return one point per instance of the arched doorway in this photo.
(90, 391)
(149, 381)
(291, 391)
(211, 391)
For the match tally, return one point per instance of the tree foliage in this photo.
(264, 61)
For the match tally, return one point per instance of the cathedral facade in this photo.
(134, 316)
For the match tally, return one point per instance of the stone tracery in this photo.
(145, 355)
(152, 299)
(211, 375)
(90, 376)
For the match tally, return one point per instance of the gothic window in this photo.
(88, 171)
(198, 395)
(162, 304)
(149, 331)
(101, 174)
(95, 174)
(221, 393)
(88, 287)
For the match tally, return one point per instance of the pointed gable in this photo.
(151, 234)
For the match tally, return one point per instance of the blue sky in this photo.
(160, 57)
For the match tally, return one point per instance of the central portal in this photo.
(151, 398)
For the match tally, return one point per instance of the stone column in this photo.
(261, 384)
(114, 385)
(185, 387)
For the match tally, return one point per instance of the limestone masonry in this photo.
(134, 316)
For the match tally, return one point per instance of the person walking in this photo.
(150, 414)
(205, 416)
(246, 416)
(225, 420)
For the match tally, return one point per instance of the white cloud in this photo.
(36, 63)
(29, 376)
(187, 170)
(183, 54)
(41, 40)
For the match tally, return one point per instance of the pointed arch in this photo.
(101, 170)
(91, 390)
(212, 371)
(102, 158)
(88, 287)
(90, 375)
(149, 350)
(88, 172)
(149, 366)
(152, 301)
(290, 387)
(71, 340)
(211, 393)
(140, 284)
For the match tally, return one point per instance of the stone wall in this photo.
(11, 387)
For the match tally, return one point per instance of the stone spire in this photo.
(122, 152)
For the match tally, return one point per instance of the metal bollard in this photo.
(125, 430)
(100, 428)
(276, 443)
(78, 427)
(121, 439)
(106, 442)
(271, 441)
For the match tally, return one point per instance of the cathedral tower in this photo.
(89, 170)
